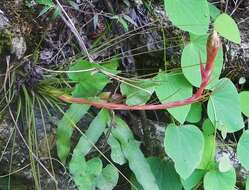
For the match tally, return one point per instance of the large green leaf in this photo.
(243, 149)
(224, 107)
(193, 180)
(215, 180)
(209, 146)
(185, 145)
(139, 92)
(65, 128)
(93, 133)
(227, 27)
(174, 87)
(194, 114)
(108, 178)
(191, 16)
(190, 60)
(166, 176)
(244, 99)
(139, 166)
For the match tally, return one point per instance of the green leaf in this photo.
(85, 88)
(244, 99)
(57, 11)
(45, 2)
(134, 155)
(215, 180)
(108, 178)
(82, 70)
(224, 107)
(93, 133)
(139, 165)
(190, 60)
(44, 10)
(65, 128)
(247, 183)
(243, 149)
(94, 167)
(214, 11)
(122, 22)
(122, 132)
(193, 180)
(185, 146)
(89, 89)
(189, 16)
(85, 173)
(116, 152)
(166, 176)
(227, 28)
(209, 145)
(139, 93)
(174, 87)
(194, 114)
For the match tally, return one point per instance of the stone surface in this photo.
(18, 46)
(4, 21)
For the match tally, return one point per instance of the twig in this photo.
(70, 24)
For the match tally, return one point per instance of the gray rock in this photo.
(4, 21)
(18, 46)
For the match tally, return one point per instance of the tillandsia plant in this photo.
(190, 141)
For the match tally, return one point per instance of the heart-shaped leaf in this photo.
(243, 149)
(194, 114)
(189, 16)
(185, 146)
(174, 87)
(166, 176)
(139, 92)
(224, 107)
(227, 27)
(215, 180)
(190, 60)
(193, 180)
(244, 99)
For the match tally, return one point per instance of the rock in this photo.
(4, 21)
(11, 38)
(18, 46)
(5, 132)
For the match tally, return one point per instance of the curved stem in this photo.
(213, 45)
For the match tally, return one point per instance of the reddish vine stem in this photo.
(212, 46)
